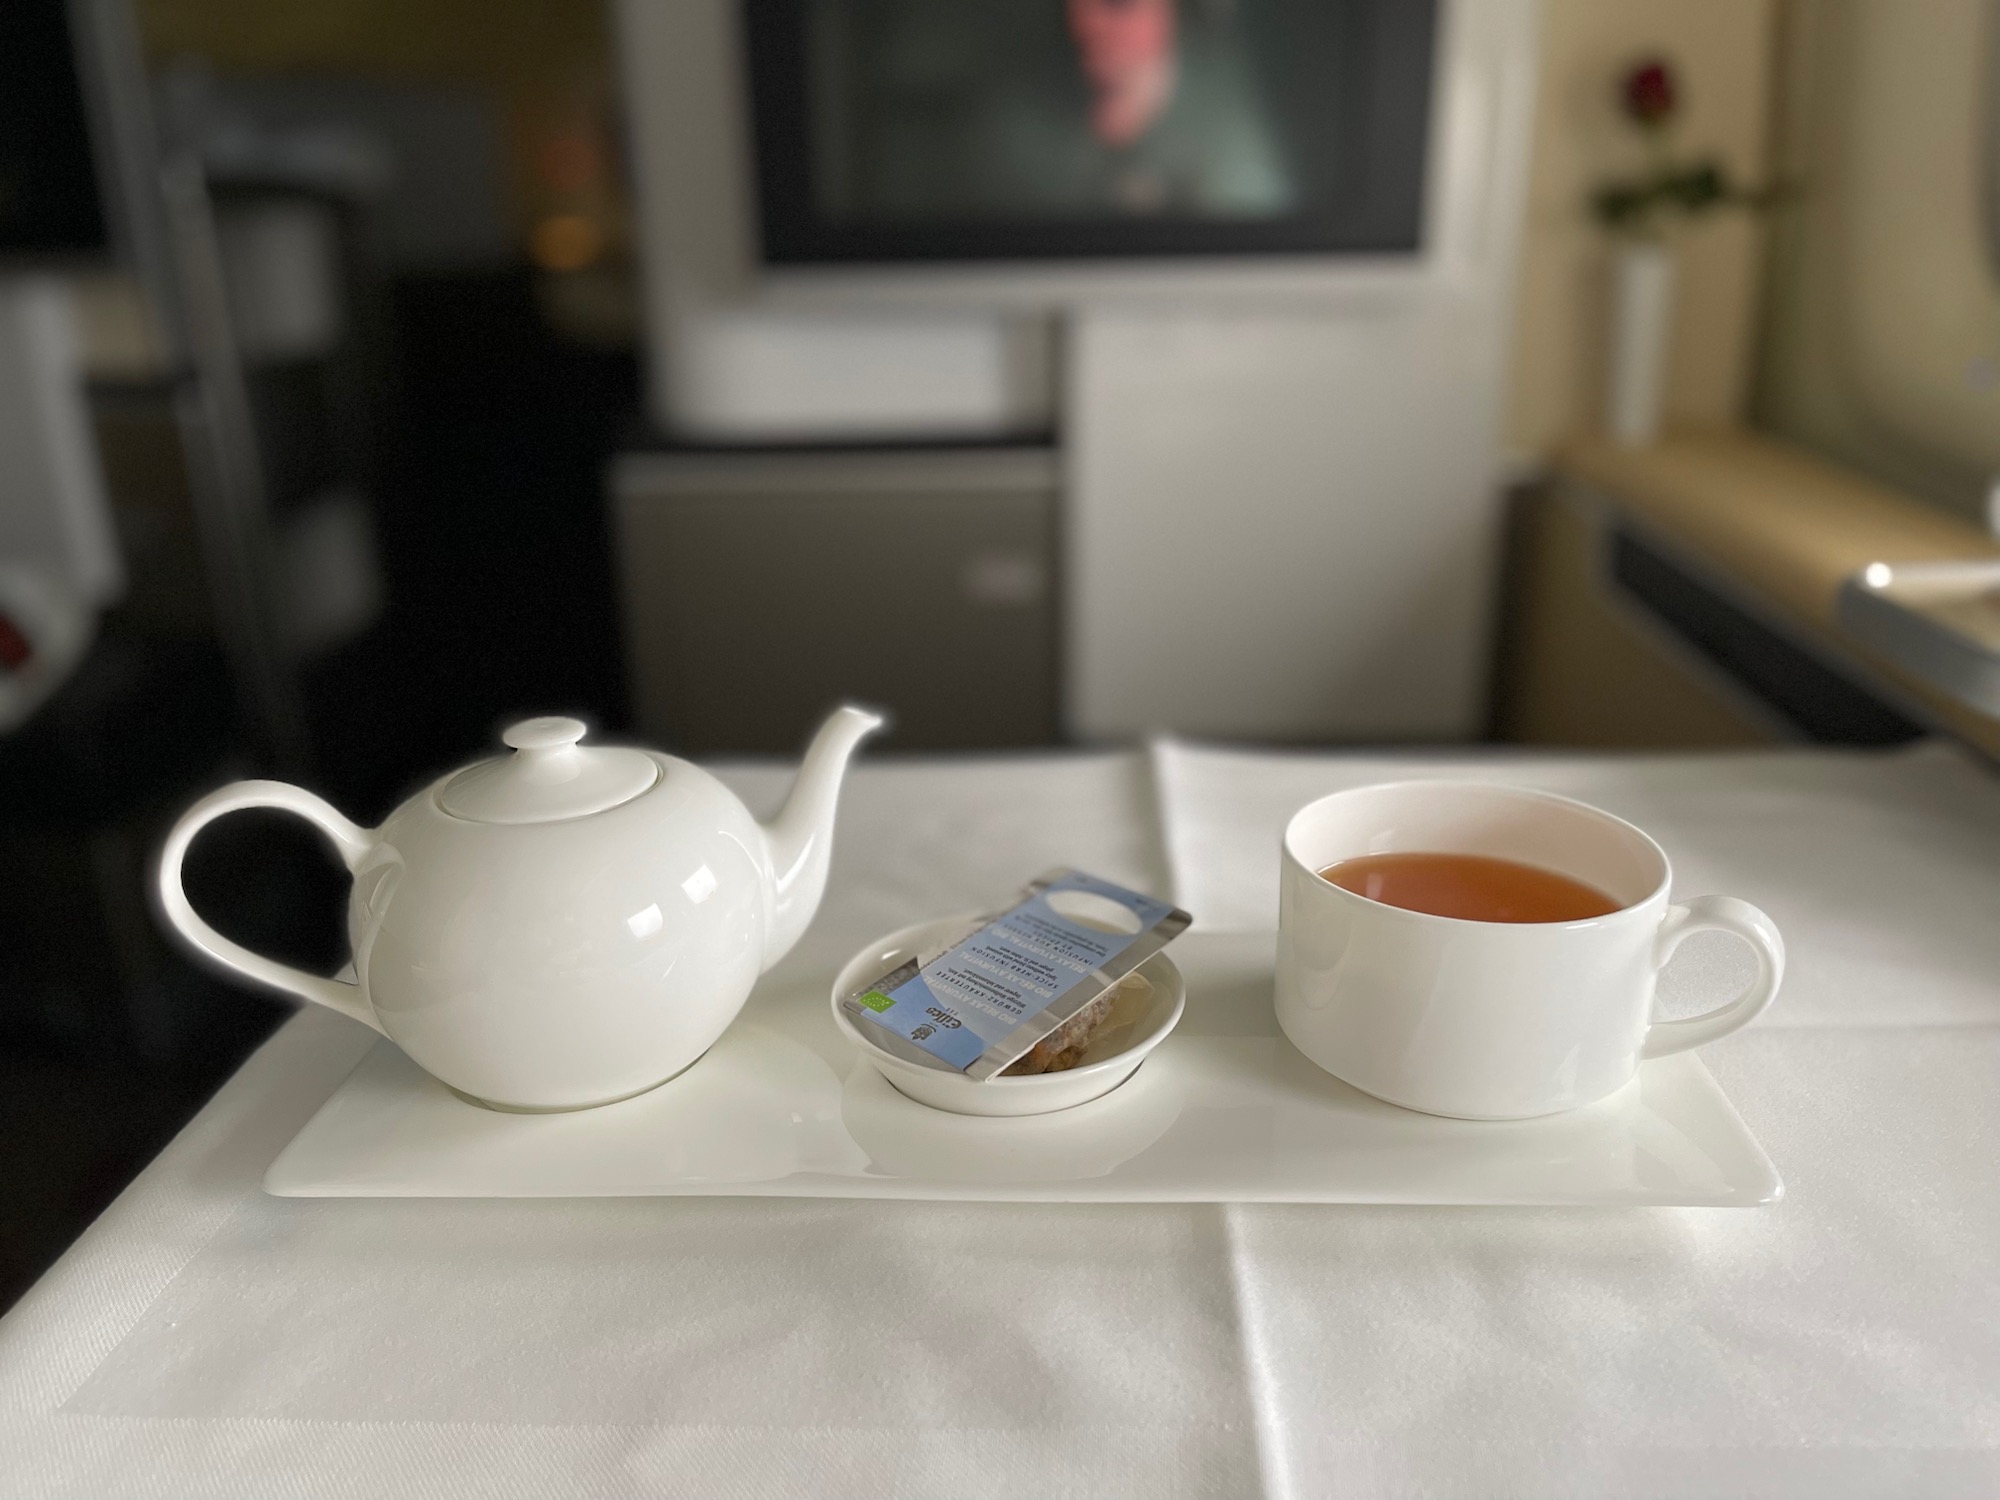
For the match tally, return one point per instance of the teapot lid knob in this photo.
(551, 732)
(550, 778)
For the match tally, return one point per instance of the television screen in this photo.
(899, 130)
(48, 182)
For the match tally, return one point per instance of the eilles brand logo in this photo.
(940, 1014)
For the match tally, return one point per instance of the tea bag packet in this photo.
(1047, 964)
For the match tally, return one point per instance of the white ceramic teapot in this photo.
(561, 927)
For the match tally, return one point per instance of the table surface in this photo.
(203, 1338)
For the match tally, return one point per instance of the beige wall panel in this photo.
(1882, 347)
(1723, 50)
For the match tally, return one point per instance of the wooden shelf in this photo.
(1783, 530)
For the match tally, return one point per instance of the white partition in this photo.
(1282, 518)
(1279, 474)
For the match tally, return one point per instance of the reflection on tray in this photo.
(906, 1139)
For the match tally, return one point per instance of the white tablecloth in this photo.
(205, 1339)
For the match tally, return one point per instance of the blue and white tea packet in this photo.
(991, 996)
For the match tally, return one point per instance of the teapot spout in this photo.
(800, 843)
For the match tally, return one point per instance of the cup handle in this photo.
(1717, 914)
(351, 840)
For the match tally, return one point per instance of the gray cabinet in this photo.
(762, 587)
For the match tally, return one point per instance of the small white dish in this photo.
(1114, 1055)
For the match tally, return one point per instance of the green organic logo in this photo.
(876, 1001)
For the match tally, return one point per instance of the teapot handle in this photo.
(350, 839)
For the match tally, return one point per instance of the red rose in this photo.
(1648, 92)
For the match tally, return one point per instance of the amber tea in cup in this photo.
(1470, 887)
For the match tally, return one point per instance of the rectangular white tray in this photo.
(1225, 1111)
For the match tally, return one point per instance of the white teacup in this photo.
(1491, 1020)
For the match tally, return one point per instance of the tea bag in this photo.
(1032, 984)
(1069, 1043)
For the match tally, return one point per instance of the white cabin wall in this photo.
(1281, 507)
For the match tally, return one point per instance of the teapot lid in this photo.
(548, 778)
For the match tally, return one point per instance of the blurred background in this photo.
(1048, 372)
